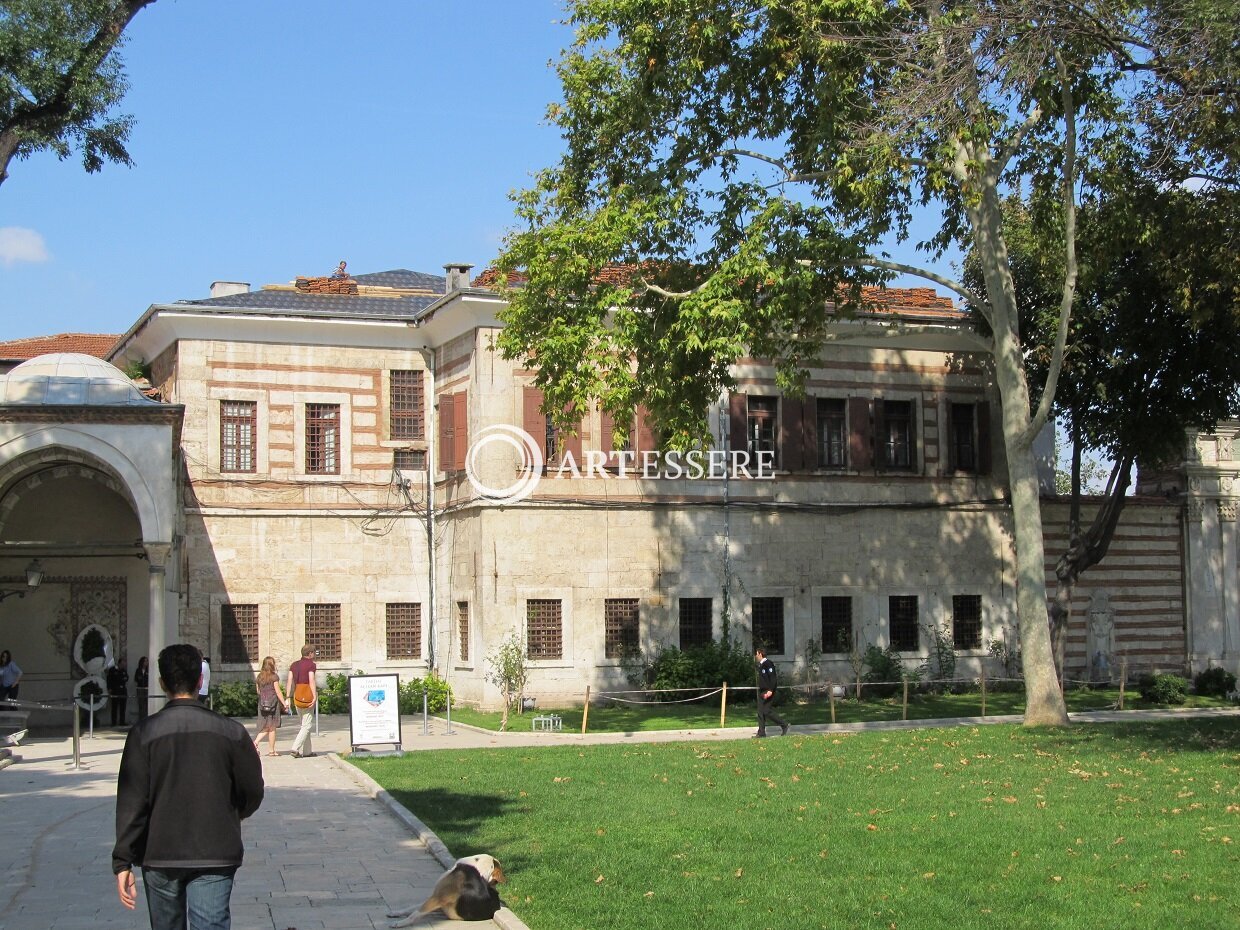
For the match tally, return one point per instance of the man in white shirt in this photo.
(204, 689)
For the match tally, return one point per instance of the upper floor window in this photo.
(760, 425)
(238, 435)
(323, 439)
(409, 459)
(406, 409)
(832, 434)
(896, 444)
(969, 438)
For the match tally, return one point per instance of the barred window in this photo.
(462, 627)
(323, 630)
(403, 625)
(409, 460)
(544, 634)
(695, 627)
(407, 418)
(238, 432)
(239, 633)
(322, 439)
(963, 437)
(902, 617)
(760, 425)
(620, 627)
(837, 631)
(967, 621)
(897, 438)
(768, 624)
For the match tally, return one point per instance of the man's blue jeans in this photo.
(203, 894)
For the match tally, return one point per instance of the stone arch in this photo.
(74, 447)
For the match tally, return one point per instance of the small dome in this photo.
(69, 378)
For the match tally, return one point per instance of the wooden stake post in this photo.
(983, 691)
(723, 707)
(905, 717)
(585, 712)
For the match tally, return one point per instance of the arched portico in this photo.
(89, 472)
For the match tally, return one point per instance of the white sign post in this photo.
(374, 710)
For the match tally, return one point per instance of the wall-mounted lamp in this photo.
(34, 578)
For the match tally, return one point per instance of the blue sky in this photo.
(275, 138)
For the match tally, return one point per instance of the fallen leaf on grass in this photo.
(598, 880)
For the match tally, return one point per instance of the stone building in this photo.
(312, 422)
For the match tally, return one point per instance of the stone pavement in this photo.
(328, 848)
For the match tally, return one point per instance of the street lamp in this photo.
(34, 578)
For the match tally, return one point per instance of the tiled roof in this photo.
(907, 301)
(295, 303)
(96, 344)
(403, 278)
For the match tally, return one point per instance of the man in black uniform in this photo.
(766, 694)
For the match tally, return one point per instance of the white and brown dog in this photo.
(466, 892)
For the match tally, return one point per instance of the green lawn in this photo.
(625, 718)
(1098, 826)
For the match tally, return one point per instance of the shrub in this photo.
(706, 667)
(235, 699)
(1163, 689)
(334, 695)
(1214, 681)
(437, 691)
(885, 670)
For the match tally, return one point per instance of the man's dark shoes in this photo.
(783, 729)
(758, 736)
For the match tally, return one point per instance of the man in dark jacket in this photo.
(766, 694)
(188, 778)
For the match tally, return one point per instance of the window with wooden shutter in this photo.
(963, 448)
(831, 433)
(983, 437)
(239, 633)
(761, 428)
(403, 629)
(406, 408)
(837, 628)
(544, 633)
(323, 630)
(768, 624)
(904, 629)
(621, 627)
(738, 422)
(695, 621)
(447, 433)
(792, 447)
(460, 430)
(541, 428)
(967, 621)
(896, 435)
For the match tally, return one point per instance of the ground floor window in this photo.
(544, 629)
(695, 621)
(837, 634)
(902, 618)
(403, 626)
(621, 627)
(768, 624)
(239, 633)
(967, 621)
(323, 630)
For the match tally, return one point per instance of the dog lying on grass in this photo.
(466, 892)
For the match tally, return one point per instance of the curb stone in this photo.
(504, 918)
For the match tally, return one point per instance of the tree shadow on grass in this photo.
(1186, 735)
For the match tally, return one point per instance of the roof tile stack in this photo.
(326, 285)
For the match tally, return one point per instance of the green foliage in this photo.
(706, 667)
(334, 693)
(1217, 682)
(61, 79)
(941, 665)
(438, 693)
(1007, 656)
(1163, 689)
(885, 669)
(235, 698)
(508, 669)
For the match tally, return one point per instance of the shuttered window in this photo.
(403, 630)
(902, 618)
(557, 443)
(760, 427)
(406, 407)
(239, 633)
(969, 438)
(832, 436)
(967, 621)
(323, 630)
(695, 621)
(621, 627)
(896, 436)
(837, 629)
(453, 431)
(768, 624)
(544, 633)
(238, 435)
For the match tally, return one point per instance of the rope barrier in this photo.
(701, 697)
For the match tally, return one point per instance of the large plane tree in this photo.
(748, 160)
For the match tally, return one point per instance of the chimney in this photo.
(458, 276)
(229, 288)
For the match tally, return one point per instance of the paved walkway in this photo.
(328, 848)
